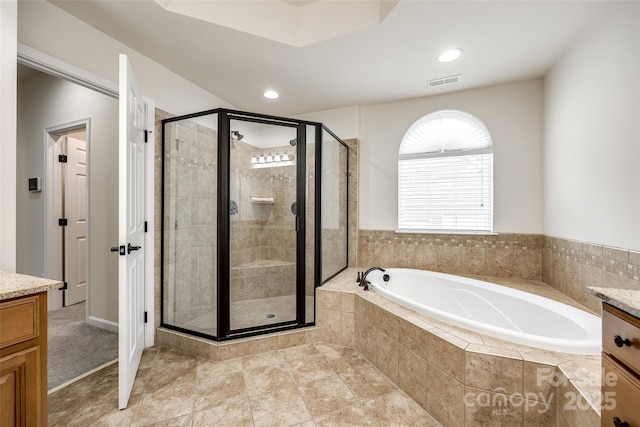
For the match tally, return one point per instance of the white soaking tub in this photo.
(491, 309)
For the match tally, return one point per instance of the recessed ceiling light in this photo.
(450, 55)
(271, 94)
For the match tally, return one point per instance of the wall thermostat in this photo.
(35, 184)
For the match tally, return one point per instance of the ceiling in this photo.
(503, 41)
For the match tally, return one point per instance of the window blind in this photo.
(446, 193)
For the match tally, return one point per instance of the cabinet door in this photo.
(621, 394)
(20, 389)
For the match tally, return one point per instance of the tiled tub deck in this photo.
(462, 377)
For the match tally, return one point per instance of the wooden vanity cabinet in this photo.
(621, 368)
(23, 361)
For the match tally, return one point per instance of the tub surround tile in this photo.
(537, 413)
(540, 382)
(447, 353)
(460, 357)
(474, 260)
(493, 369)
(330, 325)
(504, 255)
(348, 331)
(412, 377)
(484, 408)
(387, 357)
(348, 302)
(445, 397)
(599, 266)
(413, 337)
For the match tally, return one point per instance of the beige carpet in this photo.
(76, 348)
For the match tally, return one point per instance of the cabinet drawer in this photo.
(621, 395)
(19, 320)
(621, 336)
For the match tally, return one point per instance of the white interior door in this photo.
(131, 268)
(76, 214)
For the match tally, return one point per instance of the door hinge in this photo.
(146, 135)
(145, 317)
(62, 158)
(62, 222)
(64, 287)
(145, 226)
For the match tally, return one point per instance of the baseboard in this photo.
(103, 324)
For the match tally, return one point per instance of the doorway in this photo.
(67, 211)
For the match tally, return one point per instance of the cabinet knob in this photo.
(621, 342)
(619, 423)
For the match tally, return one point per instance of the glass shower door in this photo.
(263, 237)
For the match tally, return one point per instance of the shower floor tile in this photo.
(241, 392)
(249, 313)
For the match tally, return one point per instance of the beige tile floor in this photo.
(310, 385)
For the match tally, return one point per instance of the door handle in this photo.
(119, 249)
(131, 248)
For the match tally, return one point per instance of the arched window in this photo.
(445, 174)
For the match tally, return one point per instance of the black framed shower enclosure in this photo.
(254, 216)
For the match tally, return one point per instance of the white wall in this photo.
(8, 31)
(45, 101)
(49, 29)
(344, 122)
(592, 134)
(513, 115)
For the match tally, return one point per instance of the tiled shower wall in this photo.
(501, 255)
(261, 231)
(570, 266)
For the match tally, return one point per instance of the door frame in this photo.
(48, 64)
(52, 242)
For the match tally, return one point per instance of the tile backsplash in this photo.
(570, 266)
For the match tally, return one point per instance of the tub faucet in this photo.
(364, 281)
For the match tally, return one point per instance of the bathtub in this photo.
(491, 309)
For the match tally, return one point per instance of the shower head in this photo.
(237, 134)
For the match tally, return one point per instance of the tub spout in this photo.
(364, 281)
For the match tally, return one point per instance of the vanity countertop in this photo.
(14, 285)
(627, 300)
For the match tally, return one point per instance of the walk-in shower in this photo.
(254, 218)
